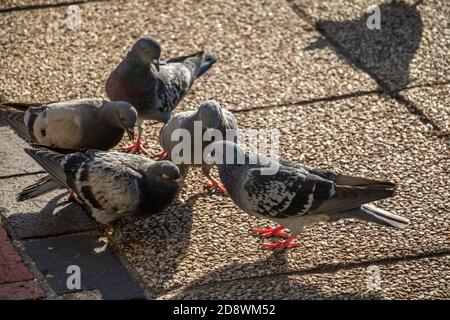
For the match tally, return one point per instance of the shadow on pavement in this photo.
(164, 237)
(286, 288)
(384, 53)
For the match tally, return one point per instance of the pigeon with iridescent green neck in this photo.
(153, 87)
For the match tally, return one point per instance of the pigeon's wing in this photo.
(198, 63)
(178, 74)
(15, 120)
(107, 184)
(62, 124)
(175, 81)
(51, 162)
(285, 193)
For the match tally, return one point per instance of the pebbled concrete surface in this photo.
(434, 102)
(260, 46)
(430, 280)
(99, 266)
(409, 49)
(276, 72)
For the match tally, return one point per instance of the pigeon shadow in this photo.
(277, 286)
(384, 53)
(55, 218)
(163, 238)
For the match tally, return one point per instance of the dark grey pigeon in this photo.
(153, 87)
(208, 116)
(295, 195)
(74, 125)
(111, 185)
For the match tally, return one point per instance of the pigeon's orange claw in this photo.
(280, 246)
(269, 232)
(216, 185)
(137, 146)
(162, 155)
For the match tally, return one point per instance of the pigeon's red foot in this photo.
(280, 246)
(162, 155)
(215, 185)
(72, 197)
(137, 146)
(269, 232)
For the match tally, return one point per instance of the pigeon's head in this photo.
(210, 114)
(148, 50)
(166, 173)
(124, 115)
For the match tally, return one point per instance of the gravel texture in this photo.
(260, 46)
(434, 101)
(409, 49)
(429, 280)
(268, 57)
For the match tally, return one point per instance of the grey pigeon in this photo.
(208, 116)
(111, 185)
(153, 87)
(75, 125)
(295, 195)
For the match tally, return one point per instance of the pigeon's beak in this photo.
(180, 182)
(156, 64)
(130, 133)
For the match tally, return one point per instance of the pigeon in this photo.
(208, 116)
(72, 125)
(295, 195)
(153, 87)
(111, 185)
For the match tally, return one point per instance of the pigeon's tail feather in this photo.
(51, 162)
(15, 119)
(349, 197)
(201, 60)
(208, 61)
(373, 214)
(180, 59)
(40, 187)
(345, 180)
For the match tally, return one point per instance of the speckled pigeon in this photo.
(153, 87)
(294, 195)
(74, 125)
(208, 116)
(112, 185)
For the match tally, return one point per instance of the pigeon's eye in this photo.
(165, 176)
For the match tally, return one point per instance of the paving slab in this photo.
(409, 49)
(368, 136)
(47, 215)
(416, 279)
(434, 102)
(12, 158)
(12, 268)
(260, 46)
(100, 268)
